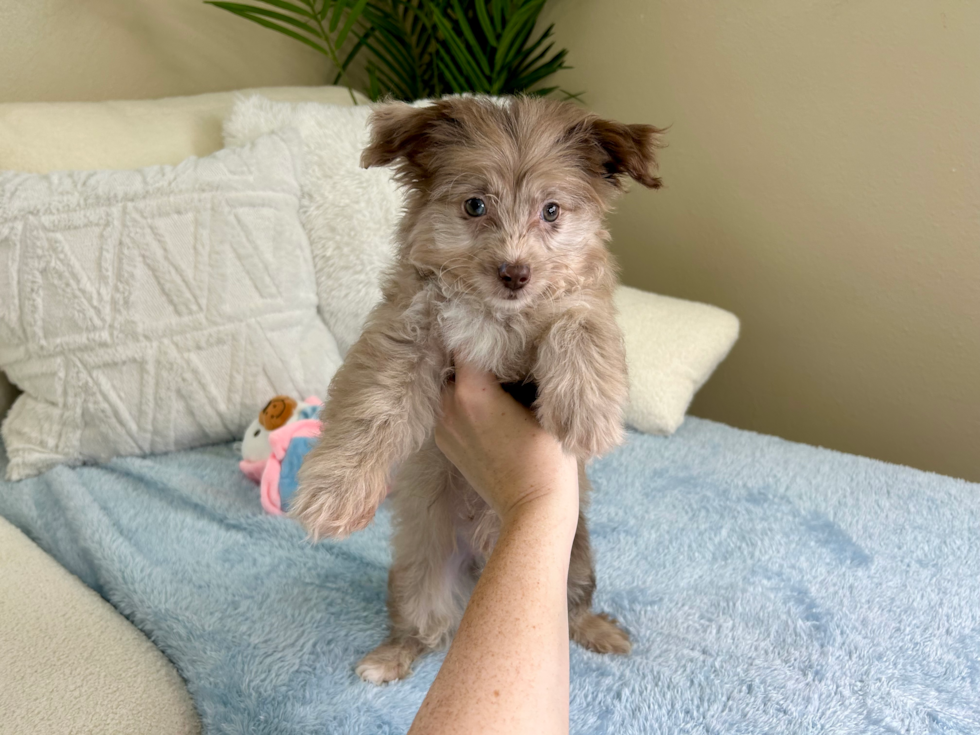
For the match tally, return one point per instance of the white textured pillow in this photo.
(672, 345)
(40, 137)
(349, 213)
(152, 310)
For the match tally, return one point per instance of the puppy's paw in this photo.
(332, 511)
(600, 633)
(388, 662)
(584, 431)
(334, 501)
(381, 672)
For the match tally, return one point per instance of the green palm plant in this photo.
(421, 48)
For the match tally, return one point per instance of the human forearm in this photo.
(507, 669)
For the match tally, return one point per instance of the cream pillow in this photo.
(157, 309)
(672, 345)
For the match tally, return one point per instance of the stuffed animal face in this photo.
(255, 443)
(277, 413)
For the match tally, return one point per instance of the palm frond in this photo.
(291, 7)
(250, 11)
(421, 48)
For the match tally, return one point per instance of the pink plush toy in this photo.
(274, 446)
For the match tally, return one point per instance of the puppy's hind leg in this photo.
(597, 632)
(424, 613)
(419, 622)
(427, 583)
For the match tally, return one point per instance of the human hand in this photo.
(501, 449)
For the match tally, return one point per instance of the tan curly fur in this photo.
(444, 297)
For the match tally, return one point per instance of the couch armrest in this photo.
(70, 663)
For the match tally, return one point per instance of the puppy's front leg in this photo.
(380, 406)
(582, 383)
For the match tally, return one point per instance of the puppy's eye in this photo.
(550, 212)
(475, 207)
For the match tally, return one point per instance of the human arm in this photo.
(507, 669)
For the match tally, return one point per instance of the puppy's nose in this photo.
(514, 276)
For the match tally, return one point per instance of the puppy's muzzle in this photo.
(514, 276)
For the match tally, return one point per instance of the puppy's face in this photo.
(507, 197)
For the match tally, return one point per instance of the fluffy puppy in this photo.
(502, 262)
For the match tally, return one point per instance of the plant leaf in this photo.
(394, 88)
(468, 35)
(395, 30)
(338, 10)
(352, 16)
(535, 63)
(518, 27)
(555, 62)
(404, 75)
(247, 10)
(420, 48)
(361, 41)
(481, 13)
(544, 92)
(528, 50)
(291, 7)
(274, 26)
(391, 49)
(461, 56)
(374, 88)
(530, 78)
(456, 83)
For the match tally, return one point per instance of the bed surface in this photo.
(768, 587)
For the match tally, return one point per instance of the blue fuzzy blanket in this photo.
(768, 586)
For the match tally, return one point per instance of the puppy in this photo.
(502, 262)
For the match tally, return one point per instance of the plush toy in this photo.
(274, 446)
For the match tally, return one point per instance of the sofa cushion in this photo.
(39, 137)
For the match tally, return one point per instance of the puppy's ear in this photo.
(631, 150)
(396, 128)
(402, 135)
(619, 150)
